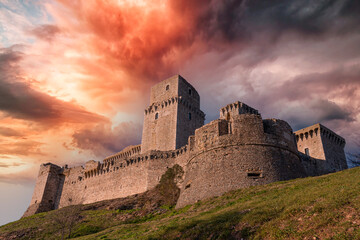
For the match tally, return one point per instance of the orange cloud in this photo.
(88, 71)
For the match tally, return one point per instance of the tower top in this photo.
(175, 86)
(236, 108)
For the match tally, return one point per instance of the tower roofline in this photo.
(320, 127)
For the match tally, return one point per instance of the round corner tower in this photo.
(172, 116)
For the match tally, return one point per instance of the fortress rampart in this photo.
(255, 152)
(240, 149)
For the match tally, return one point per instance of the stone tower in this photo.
(323, 145)
(46, 192)
(172, 116)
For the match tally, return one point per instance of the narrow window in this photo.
(189, 91)
(156, 115)
(167, 87)
(189, 116)
(254, 174)
(307, 152)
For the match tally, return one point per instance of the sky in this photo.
(75, 75)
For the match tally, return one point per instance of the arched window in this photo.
(167, 87)
(189, 91)
(156, 115)
(189, 116)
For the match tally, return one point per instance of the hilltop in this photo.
(324, 207)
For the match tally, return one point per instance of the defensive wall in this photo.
(240, 149)
(58, 187)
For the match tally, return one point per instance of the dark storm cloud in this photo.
(102, 140)
(303, 100)
(19, 100)
(327, 110)
(236, 19)
(309, 112)
(259, 25)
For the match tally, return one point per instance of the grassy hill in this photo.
(325, 207)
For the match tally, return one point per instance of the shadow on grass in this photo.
(221, 226)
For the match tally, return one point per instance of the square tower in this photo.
(172, 116)
(320, 143)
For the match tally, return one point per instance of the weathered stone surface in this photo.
(246, 156)
(47, 189)
(172, 116)
(321, 150)
(240, 149)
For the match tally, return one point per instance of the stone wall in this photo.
(334, 150)
(309, 138)
(106, 181)
(59, 187)
(189, 118)
(159, 129)
(322, 150)
(255, 152)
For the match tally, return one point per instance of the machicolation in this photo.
(240, 149)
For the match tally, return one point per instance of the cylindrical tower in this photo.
(240, 151)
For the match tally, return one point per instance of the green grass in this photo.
(325, 207)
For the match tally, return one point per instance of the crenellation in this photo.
(240, 149)
(236, 108)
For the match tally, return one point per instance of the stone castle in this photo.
(240, 149)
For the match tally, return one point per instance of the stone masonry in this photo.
(240, 149)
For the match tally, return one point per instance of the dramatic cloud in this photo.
(75, 75)
(20, 100)
(108, 53)
(82, 60)
(21, 148)
(103, 141)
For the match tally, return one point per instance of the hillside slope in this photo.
(325, 207)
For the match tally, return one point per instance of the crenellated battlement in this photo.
(237, 108)
(153, 108)
(240, 149)
(314, 130)
(321, 149)
(112, 166)
(125, 153)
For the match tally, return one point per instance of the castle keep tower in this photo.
(172, 116)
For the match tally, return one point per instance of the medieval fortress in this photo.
(239, 149)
